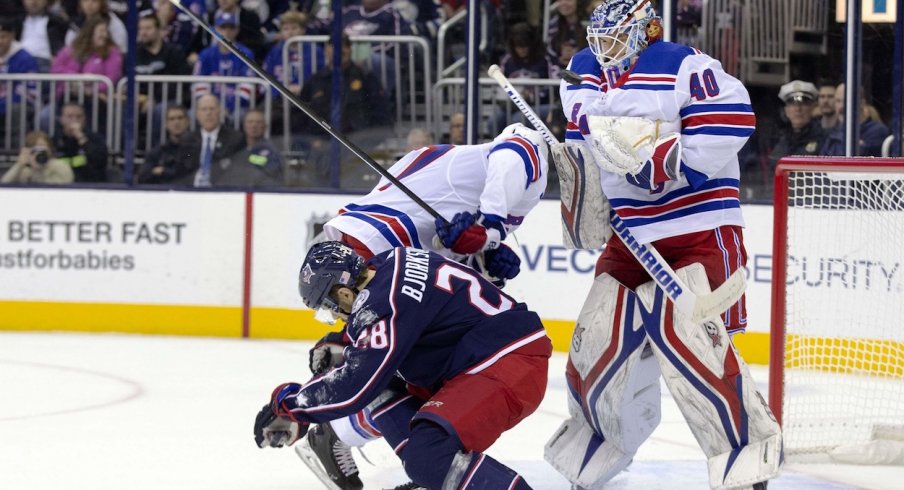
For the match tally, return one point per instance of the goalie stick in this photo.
(276, 84)
(697, 307)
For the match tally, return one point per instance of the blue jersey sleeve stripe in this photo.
(428, 156)
(642, 86)
(525, 157)
(402, 217)
(700, 108)
(718, 131)
(380, 226)
(583, 86)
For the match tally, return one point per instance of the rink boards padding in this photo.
(226, 263)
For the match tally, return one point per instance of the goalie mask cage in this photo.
(836, 376)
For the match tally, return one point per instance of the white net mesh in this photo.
(844, 347)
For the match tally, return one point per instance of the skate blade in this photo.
(309, 458)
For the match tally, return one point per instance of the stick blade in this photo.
(723, 298)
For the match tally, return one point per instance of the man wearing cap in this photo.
(217, 60)
(43, 32)
(248, 31)
(804, 137)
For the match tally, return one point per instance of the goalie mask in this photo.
(620, 29)
(532, 135)
(327, 265)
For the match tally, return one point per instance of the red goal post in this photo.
(836, 371)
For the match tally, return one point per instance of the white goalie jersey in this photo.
(688, 90)
(504, 179)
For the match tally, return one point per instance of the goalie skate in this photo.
(329, 459)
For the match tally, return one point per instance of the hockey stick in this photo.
(698, 307)
(276, 84)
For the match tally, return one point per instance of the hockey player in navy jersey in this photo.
(664, 123)
(485, 191)
(447, 359)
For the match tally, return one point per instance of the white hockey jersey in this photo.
(676, 84)
(503, 179)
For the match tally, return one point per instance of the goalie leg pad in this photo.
(613, 381)
(585, 209)
(713, 387)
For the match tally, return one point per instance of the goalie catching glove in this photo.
(274, 425)
(469, 233)
(634, 145)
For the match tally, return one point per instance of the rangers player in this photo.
(664, 123)
(451, 360)
(484, 191)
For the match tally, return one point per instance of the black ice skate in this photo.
(329, 458)
(408, 486)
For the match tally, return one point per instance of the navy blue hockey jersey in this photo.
(423, 318)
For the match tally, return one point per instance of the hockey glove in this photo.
(503, 262)
(469, 233)
(271, 430)
(327, 352)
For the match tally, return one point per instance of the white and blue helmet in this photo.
(620, 29)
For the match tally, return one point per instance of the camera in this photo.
(41, 154)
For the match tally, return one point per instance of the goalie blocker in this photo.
(622, 342)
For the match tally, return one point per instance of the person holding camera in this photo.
(36, 164)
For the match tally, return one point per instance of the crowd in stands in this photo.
(229, 144)
(814, 127)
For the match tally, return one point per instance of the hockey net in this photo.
(838, 308)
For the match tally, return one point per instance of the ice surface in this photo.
(107, 411)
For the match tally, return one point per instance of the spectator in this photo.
(213, 143)
(302, 65)
(259, 163)
(269, 13)
(872, 132)
(91, 52)
(118, 7)
(218, 60)
(526, 58)
(364, 104)
(248, 25)
(304, 61)
(457, 128)
(98, 9)
(178, 28)
(377, 18)
(566, 32)
(825, 109)
(83, 150)
(418, 138)
(43, 33)
(14, 59)
(156, 57)
(36, 163)
(161, 164)
(422, 16)
(805, 135)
